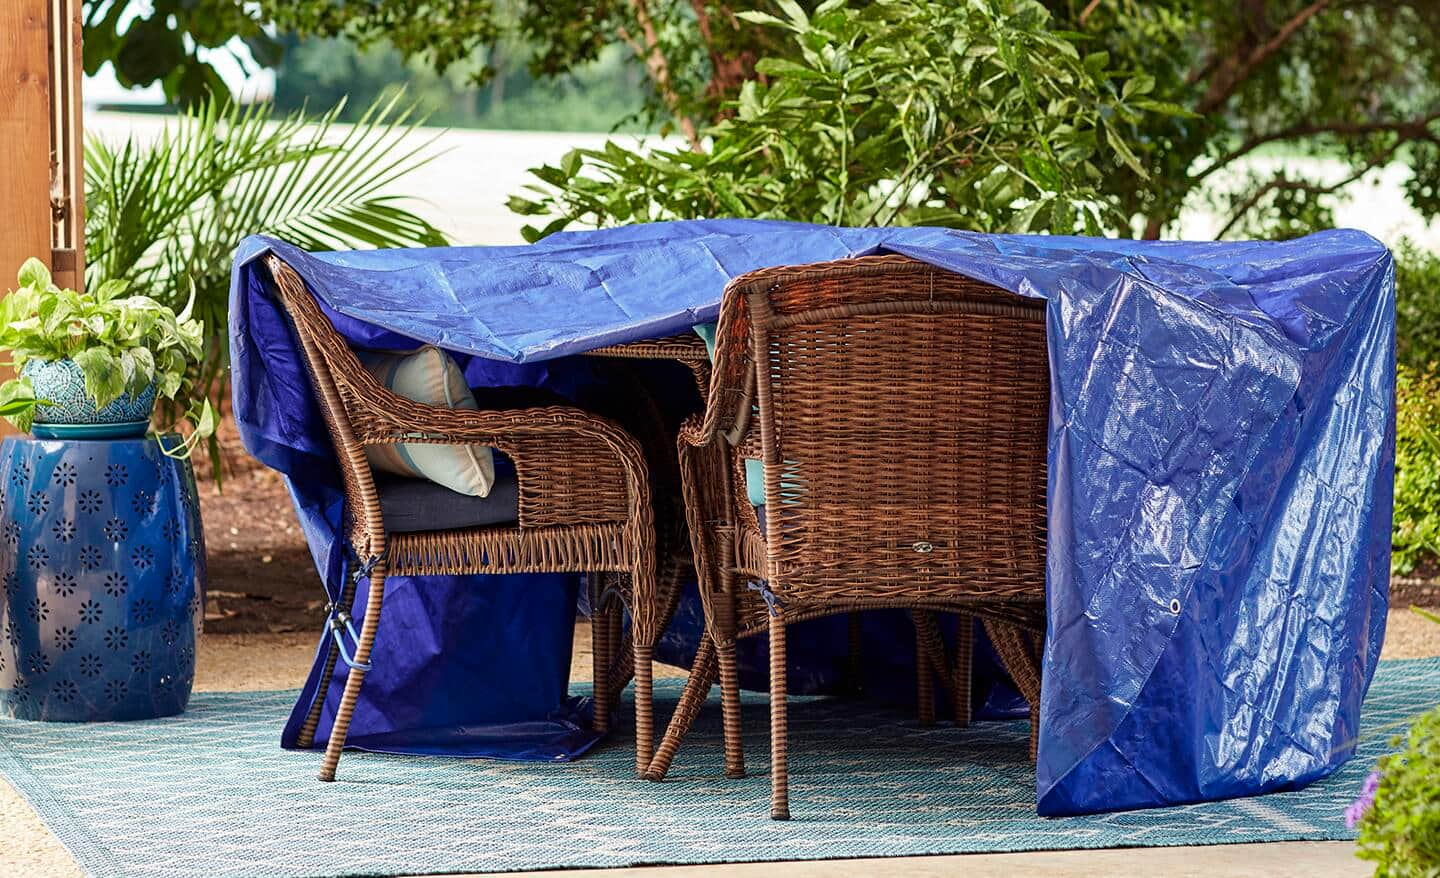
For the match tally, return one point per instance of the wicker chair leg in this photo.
(306, 738)
(779, 723)
(856, 670)
(356, 677)
(1037, 659)
(1034, 731)
(964, 654)
(956, 680)
(622, 652)
(644, 631)
(676, 574)
(924, 670)
(644, 708)
(1020, 653)
(697, 688)
(730, 709)
(601, 655)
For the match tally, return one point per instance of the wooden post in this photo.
(42, 198)
(67, 146)
(25, 217)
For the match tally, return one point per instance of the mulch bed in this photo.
(261, 577)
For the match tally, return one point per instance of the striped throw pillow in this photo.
(429, 376)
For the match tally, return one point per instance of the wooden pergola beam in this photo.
(42, 179)
(42, 193)
(25, 213)
(67, 145)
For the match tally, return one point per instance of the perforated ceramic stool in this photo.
(102, 557)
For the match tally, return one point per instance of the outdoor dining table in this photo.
(1220, 466)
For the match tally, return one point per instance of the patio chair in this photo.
(901, 414)
(580, 502)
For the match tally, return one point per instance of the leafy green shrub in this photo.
(1399, 817)
(165, 213)
(1417, 305)
(1417, 467)
(120, 344)
(954, 113)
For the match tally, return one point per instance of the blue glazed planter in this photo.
(62, 384)
(102, 557)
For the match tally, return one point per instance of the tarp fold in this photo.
(1221, 460)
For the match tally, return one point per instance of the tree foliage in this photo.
(966, 114)
(1273, 85)
(1355, 82)
(1288, 102)
(160, 41)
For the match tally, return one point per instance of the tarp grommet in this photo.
(1174, 606)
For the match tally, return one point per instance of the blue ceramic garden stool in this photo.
(103, 562)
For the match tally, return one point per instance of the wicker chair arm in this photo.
(397, 419)
(693, 432)
(574, 466)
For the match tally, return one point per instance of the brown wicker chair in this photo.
(901, 414)
(584, 505)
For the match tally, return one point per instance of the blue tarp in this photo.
(1221, 466)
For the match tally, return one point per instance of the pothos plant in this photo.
(122, 344)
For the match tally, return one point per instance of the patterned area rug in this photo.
(211, 793)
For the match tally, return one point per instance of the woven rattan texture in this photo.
(901, 413)
(585, 506)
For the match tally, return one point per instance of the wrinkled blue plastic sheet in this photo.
(1221, 464)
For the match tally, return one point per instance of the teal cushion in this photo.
(754, 469)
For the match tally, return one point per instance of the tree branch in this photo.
(727, 72)
(1285, 184)
(1233, 69)
(659, 68)
(1408, 129)
(1089, 8)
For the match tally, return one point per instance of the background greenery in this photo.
(1400, 830)
(606, 95)
(961, 114)
(1356, 81)
(165, 215)
(1100, 116)
(1416, 539)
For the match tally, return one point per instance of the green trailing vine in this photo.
(122, 344)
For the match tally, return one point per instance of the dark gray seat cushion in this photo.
(410, 505)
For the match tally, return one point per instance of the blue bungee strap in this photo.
(772, 602)
(340, 621)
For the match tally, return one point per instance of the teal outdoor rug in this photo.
(211, 793)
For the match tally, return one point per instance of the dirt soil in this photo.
(261, 576)
(262, 579)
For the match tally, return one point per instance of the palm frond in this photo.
(166, 214)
